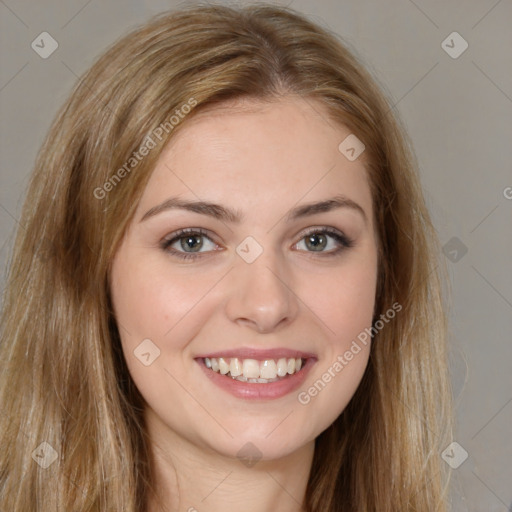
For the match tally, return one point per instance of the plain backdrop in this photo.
(457, 108)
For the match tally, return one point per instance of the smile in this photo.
(253, 370)
(257, 374)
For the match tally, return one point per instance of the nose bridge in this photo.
(260, 294)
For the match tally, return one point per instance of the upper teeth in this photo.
(245, 369)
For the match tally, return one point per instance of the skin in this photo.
(261, 159)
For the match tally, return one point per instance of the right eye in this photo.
(185, 240)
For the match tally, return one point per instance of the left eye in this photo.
(318, 241)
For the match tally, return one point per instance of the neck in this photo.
(193, 478)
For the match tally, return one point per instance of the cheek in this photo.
(346, 308)
(345, 305)
(148, 302)
(345, 301)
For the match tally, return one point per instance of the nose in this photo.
(262, 296)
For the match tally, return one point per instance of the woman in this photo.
(225, 292)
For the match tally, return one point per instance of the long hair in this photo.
(71, 429)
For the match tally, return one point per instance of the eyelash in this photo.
(340, 238)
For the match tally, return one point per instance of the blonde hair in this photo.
(64, 379)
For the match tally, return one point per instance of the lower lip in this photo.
(257, 390)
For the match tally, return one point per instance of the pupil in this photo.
(190, 242)
(317, 241)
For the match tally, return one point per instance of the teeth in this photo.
(251, 370)
(235, 368)
(268, 369)
(223, 366)
(282, 367)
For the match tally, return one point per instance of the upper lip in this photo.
(259, 354)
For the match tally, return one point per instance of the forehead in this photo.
(255, 154)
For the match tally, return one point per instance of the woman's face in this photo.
(261, 280)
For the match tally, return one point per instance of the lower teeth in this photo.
(241, 378)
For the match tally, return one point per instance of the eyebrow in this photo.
(235, 216)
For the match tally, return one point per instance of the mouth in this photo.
(257, 376)
(253, 370)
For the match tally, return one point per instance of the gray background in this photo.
(458, 113)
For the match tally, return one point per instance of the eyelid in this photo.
(187, 231)
(322, 229)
